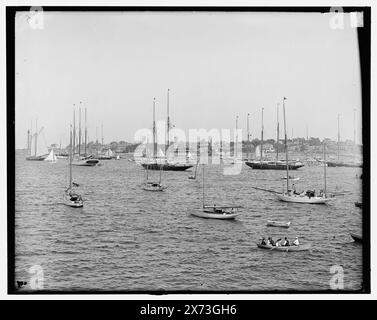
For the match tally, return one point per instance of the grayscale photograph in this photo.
(189, 150)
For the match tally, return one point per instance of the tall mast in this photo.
(235, 147)
(86, 133)
(203, 182)
(28, 141)
(324, 164)
(154, 131)
(277, 133)
(70, 157)
(74, 131)
(80, 130)
(97, 141)
(338, 136)
(36, 137)
(248, 128)
(261, 145)
(285, 143)
(354, 126)
(31, 136)
(167, 125)
(102, 137)
(248, 135)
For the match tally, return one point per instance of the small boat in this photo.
(70, 197)
(291, 178)
(196, 169)
(356, 237)
(153, 186)
(358, 204)
(301, 247)
(271, 223)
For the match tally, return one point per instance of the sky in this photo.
(217, 66)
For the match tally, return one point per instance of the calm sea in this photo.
(126, 238)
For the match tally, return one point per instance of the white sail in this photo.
(161, 153)
(109, 153)
(257, 152)
(51, 157)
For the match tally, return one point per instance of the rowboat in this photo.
(153, 186)
(299, 198)
(356, 237)
(291, 178)
(272, 223)
(301, 247)
(358, 204)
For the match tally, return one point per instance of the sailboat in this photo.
(107, 155)
(72, 198)
(339, 163)
(196, 170)
(153, 186)
(40, 153)
(163, 164)
(215, 211)
(78, 159)
(272, 165)
(51, 157)
(304, 197)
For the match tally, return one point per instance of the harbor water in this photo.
(126, 239)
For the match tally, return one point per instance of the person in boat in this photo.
(278, 243)
(310, 193)
(294, 189)
(263, 241)
(272, 242)
(286, 242)
(296, 242)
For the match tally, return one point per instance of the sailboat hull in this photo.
(166, 166)
(36, 158)
(74, 204)
(266, 165)
(85, 162)
(303, 199)
(211, 215)
(344, 164)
